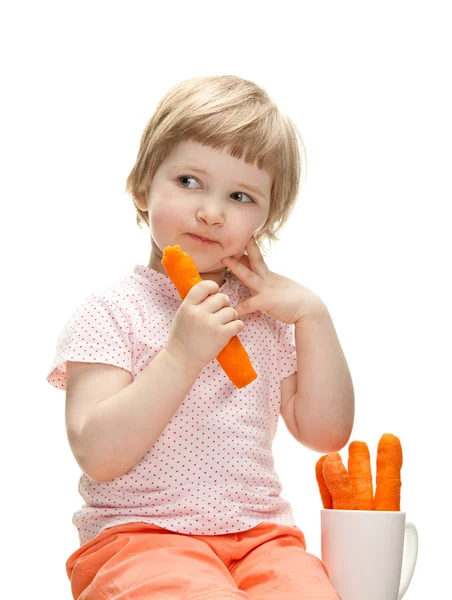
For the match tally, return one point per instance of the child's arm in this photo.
(119, 430)
(324, 403)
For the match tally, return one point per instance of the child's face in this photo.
(216, 205)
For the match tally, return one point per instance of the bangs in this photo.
(254, 133)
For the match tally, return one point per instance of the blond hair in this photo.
(225, 112)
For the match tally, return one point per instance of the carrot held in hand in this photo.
(338, 482)
(182, 271)
(389, 465)
(361, 475)
(327, 499)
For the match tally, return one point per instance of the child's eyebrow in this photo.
(243, 185)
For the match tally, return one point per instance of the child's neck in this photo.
(220, 277)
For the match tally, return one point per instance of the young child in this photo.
(181, 496)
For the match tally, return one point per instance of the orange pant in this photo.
(139, 561)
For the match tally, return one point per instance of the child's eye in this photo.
(241, 193)
(185, 177)
(252, 200)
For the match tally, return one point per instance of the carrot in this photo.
(233, 358)
(389, 465)
(327, 499)
(338, 482)
(361, 475)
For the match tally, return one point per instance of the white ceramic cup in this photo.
(369, 554)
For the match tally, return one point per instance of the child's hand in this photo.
(203, 325)
(278, 296)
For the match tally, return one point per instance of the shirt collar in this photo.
(163, 284)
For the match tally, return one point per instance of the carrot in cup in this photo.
(361, 475)
(338, 482)
(182, 271)
(389, 465)
(327, 499)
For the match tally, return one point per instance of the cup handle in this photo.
(409, 558)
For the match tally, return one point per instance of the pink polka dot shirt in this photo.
(211, 471)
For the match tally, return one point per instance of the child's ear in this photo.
(141, 202)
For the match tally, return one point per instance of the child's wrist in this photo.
(182, 360)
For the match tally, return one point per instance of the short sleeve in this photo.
(284, 336)
(98, 332)
(286, 350)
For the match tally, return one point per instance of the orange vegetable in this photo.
(233, 359)
(338, 482)
(389, 465)
(361, 475)
(327, 499)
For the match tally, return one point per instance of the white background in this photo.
(368, 85)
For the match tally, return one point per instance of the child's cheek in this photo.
(167, 223)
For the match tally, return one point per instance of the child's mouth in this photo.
(198, 239)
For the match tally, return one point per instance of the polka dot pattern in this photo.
(211, 471)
